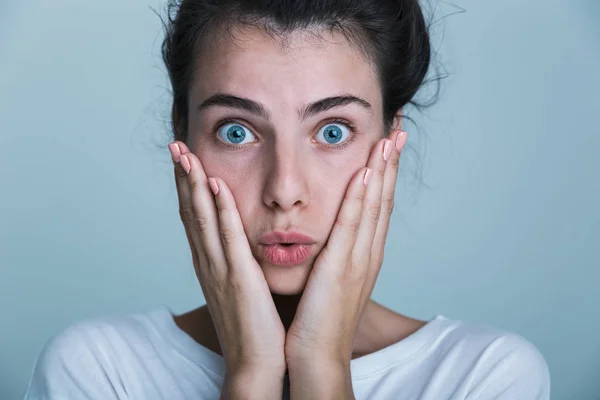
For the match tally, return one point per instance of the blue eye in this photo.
(334, 133)
(235, 133)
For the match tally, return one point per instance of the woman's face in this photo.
(285, 127)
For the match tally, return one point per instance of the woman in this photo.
(287, 126)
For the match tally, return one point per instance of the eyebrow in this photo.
(314, 108)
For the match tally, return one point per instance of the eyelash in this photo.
(219, 126)
(342, 146)
(348, 125)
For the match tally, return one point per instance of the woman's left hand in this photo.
(320, 339)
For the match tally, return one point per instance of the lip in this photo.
(298, 250)
(277, 237)
(286, 256)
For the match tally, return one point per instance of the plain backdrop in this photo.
(497, 217)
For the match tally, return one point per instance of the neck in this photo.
(286, 307)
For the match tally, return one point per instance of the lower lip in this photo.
(286, 256)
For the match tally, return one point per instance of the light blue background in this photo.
(505, 229)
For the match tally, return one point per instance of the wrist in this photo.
(320, 378)
(302, 351)
(253, 383)
(318, 367)
(307, 358)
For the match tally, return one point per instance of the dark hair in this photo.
(391, 33)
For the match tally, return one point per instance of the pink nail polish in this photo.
(175, 151)
(399, 139)
(386, 149)
(367, 177)
(185, 163)
(213, 186)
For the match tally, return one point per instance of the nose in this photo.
(286, 184)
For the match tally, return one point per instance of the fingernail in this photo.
(386, 149)
(185, 163)
(175, 151)
(213, 186)
(399, 140)
(367, 176)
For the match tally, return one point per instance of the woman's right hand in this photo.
(250, 331)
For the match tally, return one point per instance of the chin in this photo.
(286, 280)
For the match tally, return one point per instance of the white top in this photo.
(147, 357)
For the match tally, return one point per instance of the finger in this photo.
(184, 148)
(189, 233)
(387, 197)
(343, 235)
(233, 237)
(200, 212)
(372, 204)
(183, 197)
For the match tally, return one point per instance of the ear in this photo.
(397, 123)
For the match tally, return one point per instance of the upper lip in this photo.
(285, 237)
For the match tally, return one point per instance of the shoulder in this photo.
(82, 358)
(498, 364)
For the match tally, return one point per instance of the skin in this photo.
(264, 318)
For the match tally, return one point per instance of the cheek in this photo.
(236, 174)
(331, 186)
(241, 180)
(336, 170)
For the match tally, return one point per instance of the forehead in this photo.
(304, 67)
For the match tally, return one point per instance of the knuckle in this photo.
(227, 236)
(179, 172)
(351, 225)
(339, 224)
(394, 161)
(374, 212)
(388, 204)
(201, 223)
(193, 185)
(360, 196)
(186, 214)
